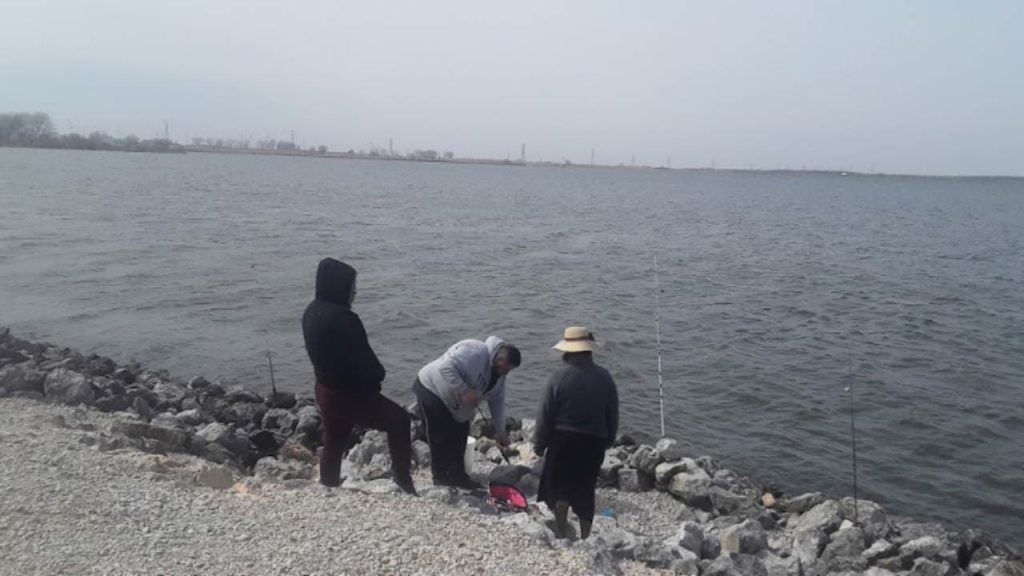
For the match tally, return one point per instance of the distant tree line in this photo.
(35, 130)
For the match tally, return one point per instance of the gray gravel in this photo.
(69, 508)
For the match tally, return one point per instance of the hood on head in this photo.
(493, 344)
(334, 281)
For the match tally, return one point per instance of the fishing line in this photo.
(657, 336)
(853, 441)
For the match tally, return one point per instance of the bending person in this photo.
(348, 376)
(577, 420)
(449, 390)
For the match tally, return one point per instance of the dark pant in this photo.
(571, 466)
(341, 412)
(446, 436)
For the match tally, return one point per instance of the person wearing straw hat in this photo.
(577, 420)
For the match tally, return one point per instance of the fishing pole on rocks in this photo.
(657, 336)
(853, 441)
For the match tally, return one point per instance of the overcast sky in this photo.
(930, 86)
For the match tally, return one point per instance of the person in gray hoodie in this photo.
(450, 388)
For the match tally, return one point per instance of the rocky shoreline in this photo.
(663, 509)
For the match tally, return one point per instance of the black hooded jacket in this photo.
(335, 337)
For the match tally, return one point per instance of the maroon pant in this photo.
(340, 413)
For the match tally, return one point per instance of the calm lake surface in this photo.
(777, 291)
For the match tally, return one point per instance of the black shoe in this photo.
(406, 485)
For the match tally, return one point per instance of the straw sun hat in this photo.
(576, 339)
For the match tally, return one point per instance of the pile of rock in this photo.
(725, 523)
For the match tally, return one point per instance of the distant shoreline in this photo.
(189, 148)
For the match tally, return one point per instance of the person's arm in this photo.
(367, 370)
(546, 415)
(612, 416)
(496, 403)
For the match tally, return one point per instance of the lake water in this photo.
(777, 291)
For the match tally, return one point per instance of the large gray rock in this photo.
(529, 427)
(244, 414)
(879, 549)
(688, 564)
(669, 449)
(926, 567)
(215, 432)
(421, 453)
(112, 403)
(646, 458)
(169, 395)
(692, 488)
(609, 474)
(870, 515)
(711, 548)
(843, 552)
(633, 480)
(193, 417)
(747, 537)
(925, 546)
(1004, 567)
(239, 394)
(808, 544)
(778, 566)
(309, 423)
(18, 379)
(721, 566)
(374, 442)
(664, 472)
(690, 536)
(729, 503)
(825, 517)
(280, 420)
(280, 399)
(654, 553)
(69, 387)
(802, 503)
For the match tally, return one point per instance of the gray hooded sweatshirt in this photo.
(467, 364)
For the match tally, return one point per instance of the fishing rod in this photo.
(853, 442)
(273, 383)
(657, 336)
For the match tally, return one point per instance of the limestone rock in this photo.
(633, 480)
(646, 459)
(68, 387)
(280, 420)
(609, 474)
(802, 503)
(270, 469)
(825, 517)
(692, 488)
(239, 394)
(18, 378)
(669, 449)
(421, 453)
(690, 537)
(747, 537)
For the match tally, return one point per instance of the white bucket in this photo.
(468, 456)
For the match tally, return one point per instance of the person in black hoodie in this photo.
(348, 376)
(577, 420)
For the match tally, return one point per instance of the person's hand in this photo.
(470, 397)
(502, 439)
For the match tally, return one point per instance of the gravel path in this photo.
(68, 508)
